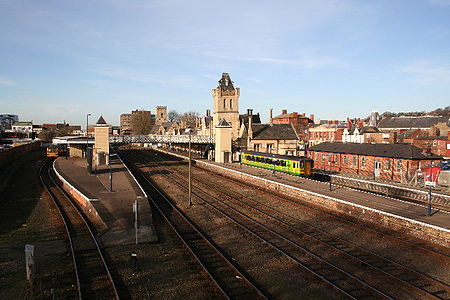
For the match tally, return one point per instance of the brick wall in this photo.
(83, 203)
(389, 168)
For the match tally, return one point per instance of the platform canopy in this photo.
(73, 140)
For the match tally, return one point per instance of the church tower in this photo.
(226, 104)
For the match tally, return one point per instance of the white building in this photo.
(23, 127)
(358, 135)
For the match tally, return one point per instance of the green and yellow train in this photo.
(294, 165)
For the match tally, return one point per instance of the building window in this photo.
(323, 158)
(345, 162)
(363, 162)
(399, 165)
(231, 103)
(256, 147)
(269, 148)
(317, 156)
(224, 103)
(387, 164)
(336, 159)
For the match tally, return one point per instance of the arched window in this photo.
(224, 103)
(231, 103)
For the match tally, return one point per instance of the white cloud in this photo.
(5, 81)
(428, 72)
(147, 78)
(307, 61)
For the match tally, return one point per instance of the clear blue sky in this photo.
(62, 59)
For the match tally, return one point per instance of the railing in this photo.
(164, 139)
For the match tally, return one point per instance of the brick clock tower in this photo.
(226, 104)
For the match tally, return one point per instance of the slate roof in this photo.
(405, 151)
(101, 121)
(274, 132)
(225, 83)
(223, 123)
(369, 129)
(166, 125)
(412, 122)
(256, 119)
(272, 155)
(154, 129)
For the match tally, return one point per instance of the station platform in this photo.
(404, 209)
(115, 208)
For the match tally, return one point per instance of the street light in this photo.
(87, 136)
(329, 171)
(189, 130)
(136, 210)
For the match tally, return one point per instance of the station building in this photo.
(398, 162)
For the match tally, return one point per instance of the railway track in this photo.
(384, 233)
(92, 275)
(314, 238)
(227, 278)
(338, 279)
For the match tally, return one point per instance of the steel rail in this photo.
(346, 243)
(288, 199)
(69, 236)
(271, 244)
(194, 227)
(430, 279)
(437, 283)
(92, 235)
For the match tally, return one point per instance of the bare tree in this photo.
(173, 116)
(190, 118)
(47, 135)
(141, 123)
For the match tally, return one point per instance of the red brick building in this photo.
(396, 162)
(293, 118)
(331, 132)
(300, 122)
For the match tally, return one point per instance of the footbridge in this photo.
(161, 139)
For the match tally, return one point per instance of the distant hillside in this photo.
(437, 112)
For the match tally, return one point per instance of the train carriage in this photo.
(55, 151)
(295, 165)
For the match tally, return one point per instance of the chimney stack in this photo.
(250, 112)
(360, 123)
(349, 123)
(284, 111)
(311, 116)
(208, 113)
(270, 115)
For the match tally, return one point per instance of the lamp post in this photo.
(136, 210)
(329, 172)
(189, 130)
(87, 136)
(110, 177)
